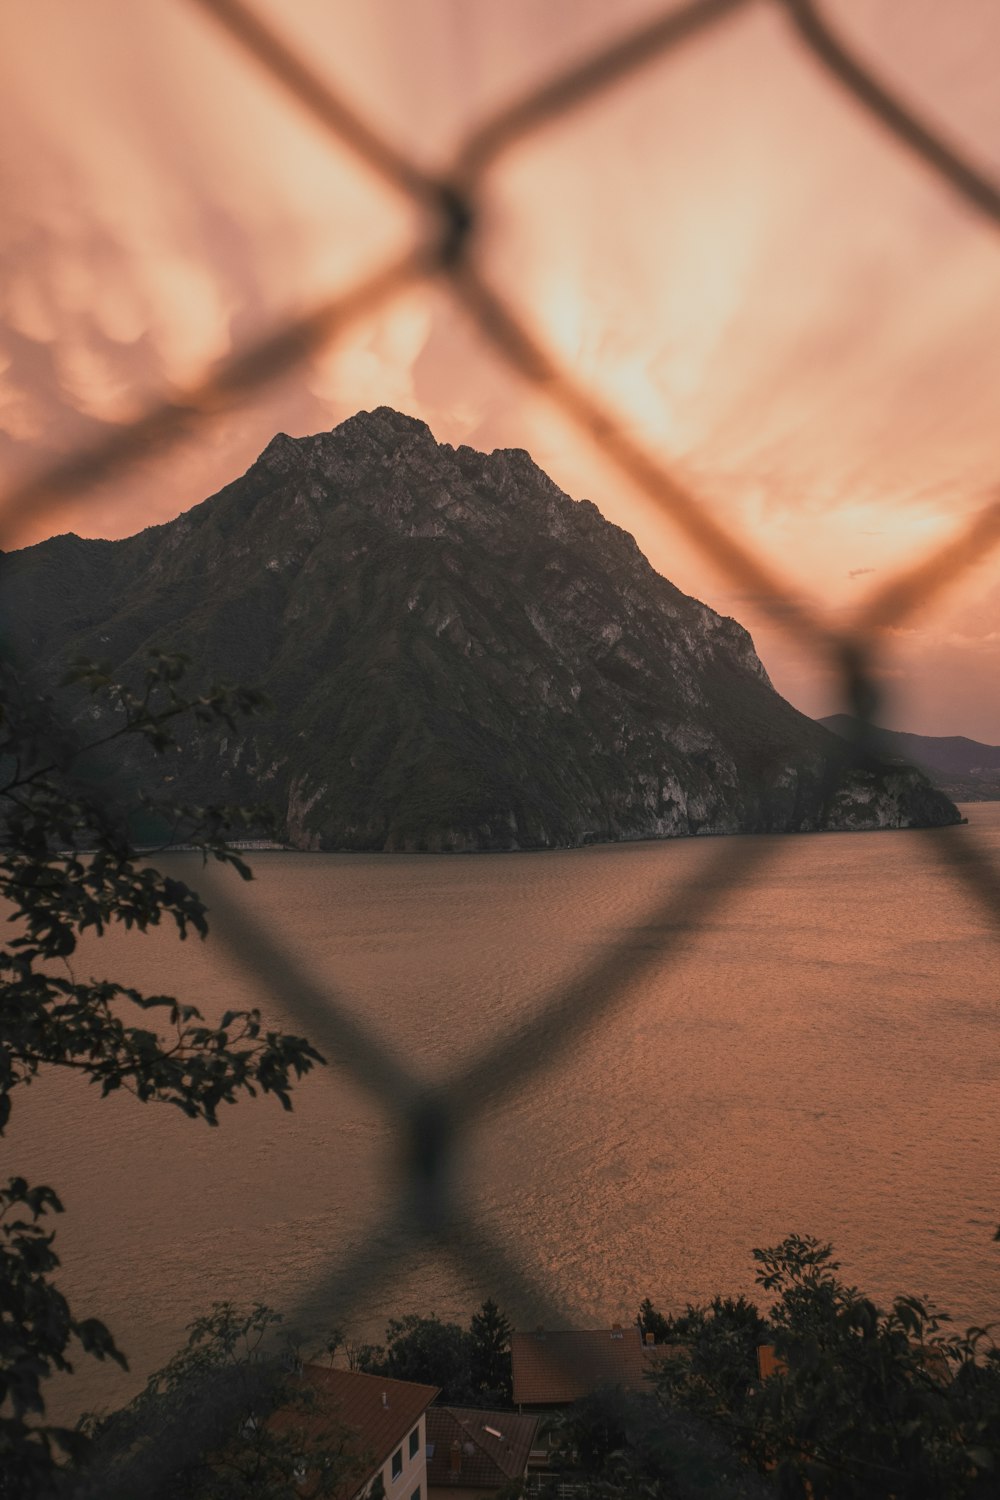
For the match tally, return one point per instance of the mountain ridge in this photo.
(965, 769)
(461, 657)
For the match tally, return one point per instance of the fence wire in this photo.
(431, 1123)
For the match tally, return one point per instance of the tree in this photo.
(68, 865)
(228, 1418)
(36, 1329)
(629, 1445)
(470, 1366)
(427, 1351)
(866, 1403)
(651, 1321)
(716, 1367)
(490, 1370)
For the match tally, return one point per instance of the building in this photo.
(472, 1454)
(554, 1368)
(379, 1426)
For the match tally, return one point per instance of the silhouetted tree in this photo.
(228, 1418)
(68, 867)
(471, 1366)
(490, 1370)
(866, 1403)
(427, 1351)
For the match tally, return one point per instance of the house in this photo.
(472, 1454)
(381, 1423)
(556, 1367)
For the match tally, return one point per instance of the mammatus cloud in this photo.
(797, 317)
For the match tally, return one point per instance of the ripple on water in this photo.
(823, 1058)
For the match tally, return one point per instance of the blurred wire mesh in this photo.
(431, 1122)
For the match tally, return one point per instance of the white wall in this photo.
(414, 1471)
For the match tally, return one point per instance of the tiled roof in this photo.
(378, 1412)
(483, 1458)
(551, 1368)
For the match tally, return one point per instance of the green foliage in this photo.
(226, 1419)
(471, 1366)
(651, 1321)
(626, 1445)
(427, 1350)
(866, 1404)
(717, 1364)
(36, 1329)
(872, 1403)
(592, 1429)
(489, 1365)
(69, 867)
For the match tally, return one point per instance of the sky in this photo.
(790, 312)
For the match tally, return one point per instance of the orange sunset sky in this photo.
(785, 307)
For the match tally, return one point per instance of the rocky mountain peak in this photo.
(380, 434)
(385, 421)
(460, 657)
(282, 454)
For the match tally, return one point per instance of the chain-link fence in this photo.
(431, 1121)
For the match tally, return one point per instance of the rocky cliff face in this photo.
(460, 657)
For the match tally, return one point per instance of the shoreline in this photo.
(273, 847)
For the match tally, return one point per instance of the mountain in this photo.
(962, 768)
(460, 657)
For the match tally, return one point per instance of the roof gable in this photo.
(376, 1411)
(493, 1446)
(553, 1368)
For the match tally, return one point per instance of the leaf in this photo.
(53, 1019)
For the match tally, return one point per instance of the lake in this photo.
(820, 1055)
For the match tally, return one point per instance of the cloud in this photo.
(803, 326)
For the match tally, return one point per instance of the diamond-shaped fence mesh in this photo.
(431, 1122)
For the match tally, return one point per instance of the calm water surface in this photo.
(821, 1056)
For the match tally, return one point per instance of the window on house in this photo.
(414, 1442)
(416, 1494)
(397, 1463)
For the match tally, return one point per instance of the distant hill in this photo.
(460, 657)
(964, 769)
